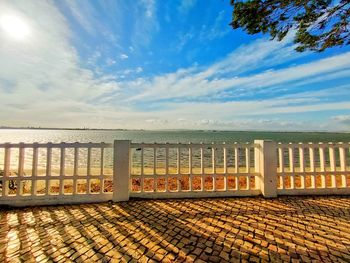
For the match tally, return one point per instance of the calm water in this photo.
(44, 136)
(15, 136)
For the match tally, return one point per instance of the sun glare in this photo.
(14, 27)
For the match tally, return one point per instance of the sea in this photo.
(108, 136)
(181, 136)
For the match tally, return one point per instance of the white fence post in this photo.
(266, 165)
(121, 170)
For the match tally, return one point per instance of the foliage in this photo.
(318, 24)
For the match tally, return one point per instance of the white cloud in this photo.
(345, 119)
(149, 7)
(221, 75)
(94, 57)
(217, 29)
(339, 123)
(84, 14)
(46, 78)
(157, 121)
(214, 78)
(146, 24)
(183, 39)
(110, 62)
(238, 109)
(124, 56)
(131, 71)
(88, 18)
(186, 5)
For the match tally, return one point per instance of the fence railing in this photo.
(313, 168)
(61, 173)
(55, 173)
(188, 170)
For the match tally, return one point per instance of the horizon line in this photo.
(141, 129)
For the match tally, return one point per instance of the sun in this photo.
(14, 27)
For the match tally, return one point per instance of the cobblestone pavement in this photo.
(288, 229)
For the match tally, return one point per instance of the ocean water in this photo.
(55, 136)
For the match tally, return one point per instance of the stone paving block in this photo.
(284, 229)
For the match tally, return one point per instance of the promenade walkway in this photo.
(285, 229)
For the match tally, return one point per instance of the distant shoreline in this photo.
(161, 130)
(69, 129)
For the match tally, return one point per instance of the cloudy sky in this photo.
(167, 64)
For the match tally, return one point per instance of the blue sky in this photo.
(161, 65)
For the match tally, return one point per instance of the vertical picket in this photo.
(343, 163)
(332, 164)
(302, 165)
(322, 164)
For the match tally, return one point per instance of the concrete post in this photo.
(121, 170)
(266, 165)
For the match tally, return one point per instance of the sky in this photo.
(165, 64)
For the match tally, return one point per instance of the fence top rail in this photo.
(191, 145)
(57, 145)
(168, 145)
(311, 144)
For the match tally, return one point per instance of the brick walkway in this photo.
(290, 229)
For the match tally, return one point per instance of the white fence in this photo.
(313, 168)
(193, 170)
(35, 174)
